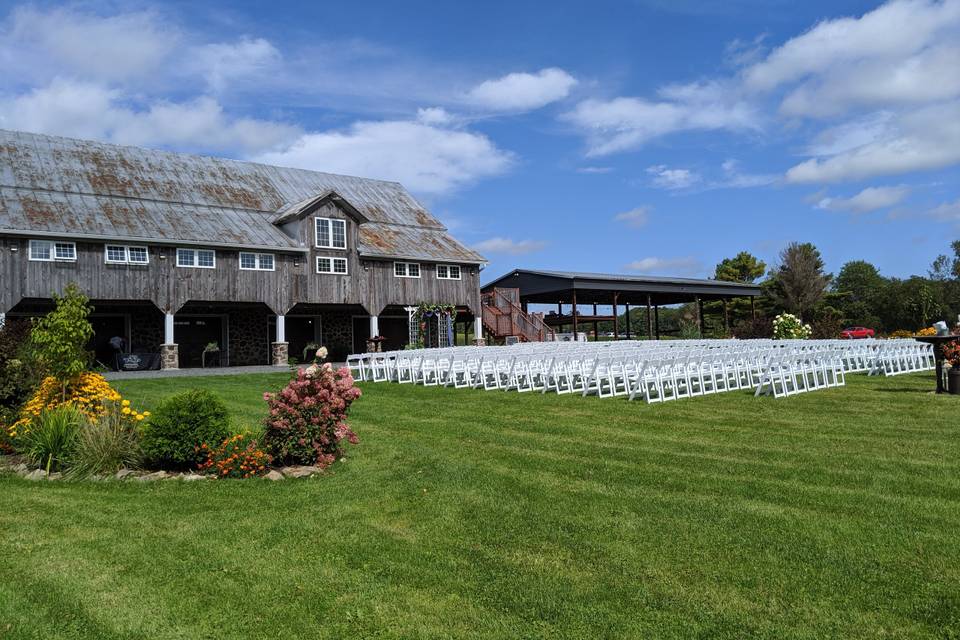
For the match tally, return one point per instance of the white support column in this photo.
(478, 332)
(3, 319)
(280, 350)
(374, 326)
(168, 329)
(169, 354)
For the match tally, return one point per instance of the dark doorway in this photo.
(106, 328)
(301, 331)
(396, 331)
(193, 334)
(361, 331)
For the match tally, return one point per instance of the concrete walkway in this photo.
(189, 373)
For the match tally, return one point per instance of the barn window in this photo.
(448, 272)
(256, 261)
(123, 254)
(331, 233)
(197, 258)
(406, 269)
(49, 251)
(336, 266)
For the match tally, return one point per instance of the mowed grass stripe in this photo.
(490, 514)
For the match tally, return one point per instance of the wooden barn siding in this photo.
(370, 283)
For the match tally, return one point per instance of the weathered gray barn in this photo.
(177, 251)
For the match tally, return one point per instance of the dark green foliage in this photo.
(744, 267)
(180, 425)
(18, 376)
(58, 341)
(799, 282)
(52, 438)
(761, 327)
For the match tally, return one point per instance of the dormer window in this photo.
(331, 233)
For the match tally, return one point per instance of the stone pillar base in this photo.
(280, 354)
(479, 342)
(169, 356)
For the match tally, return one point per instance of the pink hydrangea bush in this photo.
(307, 422)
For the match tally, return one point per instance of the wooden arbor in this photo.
(597, 289)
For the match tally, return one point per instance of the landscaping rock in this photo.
(274, 475)
(36, 474)
(299, 471)
(156, 475)
(22, 469)
(56, 475)
(123, 473)
(192, 477)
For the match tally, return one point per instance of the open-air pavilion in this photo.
(584, 293)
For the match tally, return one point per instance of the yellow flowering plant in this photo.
(89, 392)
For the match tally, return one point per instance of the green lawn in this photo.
(500, 515)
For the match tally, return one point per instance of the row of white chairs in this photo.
(655, 371)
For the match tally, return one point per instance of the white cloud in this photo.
(734, 178)
(61, 41)
(437, 116)
(221, 62)
(870, 199)
(635, 217)
(424, 158)
(88, 110)
(522, 91)
(947, 212)
(509, 246)
(627, 123)
(923, 139)
(594, 170)
(895, 30)
(676, 266)
(667, 178)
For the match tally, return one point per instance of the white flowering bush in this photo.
(787, 326)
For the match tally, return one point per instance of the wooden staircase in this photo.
(503, 317)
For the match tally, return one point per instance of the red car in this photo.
(857, 332)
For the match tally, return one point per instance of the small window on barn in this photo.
(406, 269)
(448, 272)
(41, 250)
(122, 254)
(197, 258)
(337, 266)
(256, 261)
(137, 255)
(64, 251)
(331, 233)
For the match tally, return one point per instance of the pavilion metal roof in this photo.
(540, 286)
(72, 187)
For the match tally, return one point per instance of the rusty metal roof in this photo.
(56, 185)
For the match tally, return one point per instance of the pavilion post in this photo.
(627, 315)
(574, 313)
(616, 319)
(753, 308)
(726, 317)
(656, 319)
(649, 318)
(700, 316)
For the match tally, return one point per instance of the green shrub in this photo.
(58, 341)
(18, 377)
(174, 433)
(52, 439)
(106, 445)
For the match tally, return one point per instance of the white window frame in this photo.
(449, 268)
(406, 270)
(330, 222)
(52, 251)
(257, 261)
(126, 254)
(332, 271)
(196, 258)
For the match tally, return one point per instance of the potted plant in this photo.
(951, 354)
(211, 355)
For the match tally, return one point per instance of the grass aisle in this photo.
(499, 515)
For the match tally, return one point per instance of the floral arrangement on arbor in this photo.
(307, 421)
(426, 311)
(89, 392)
(787, 326)
(235, 457)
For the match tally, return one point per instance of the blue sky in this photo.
(638, 137)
